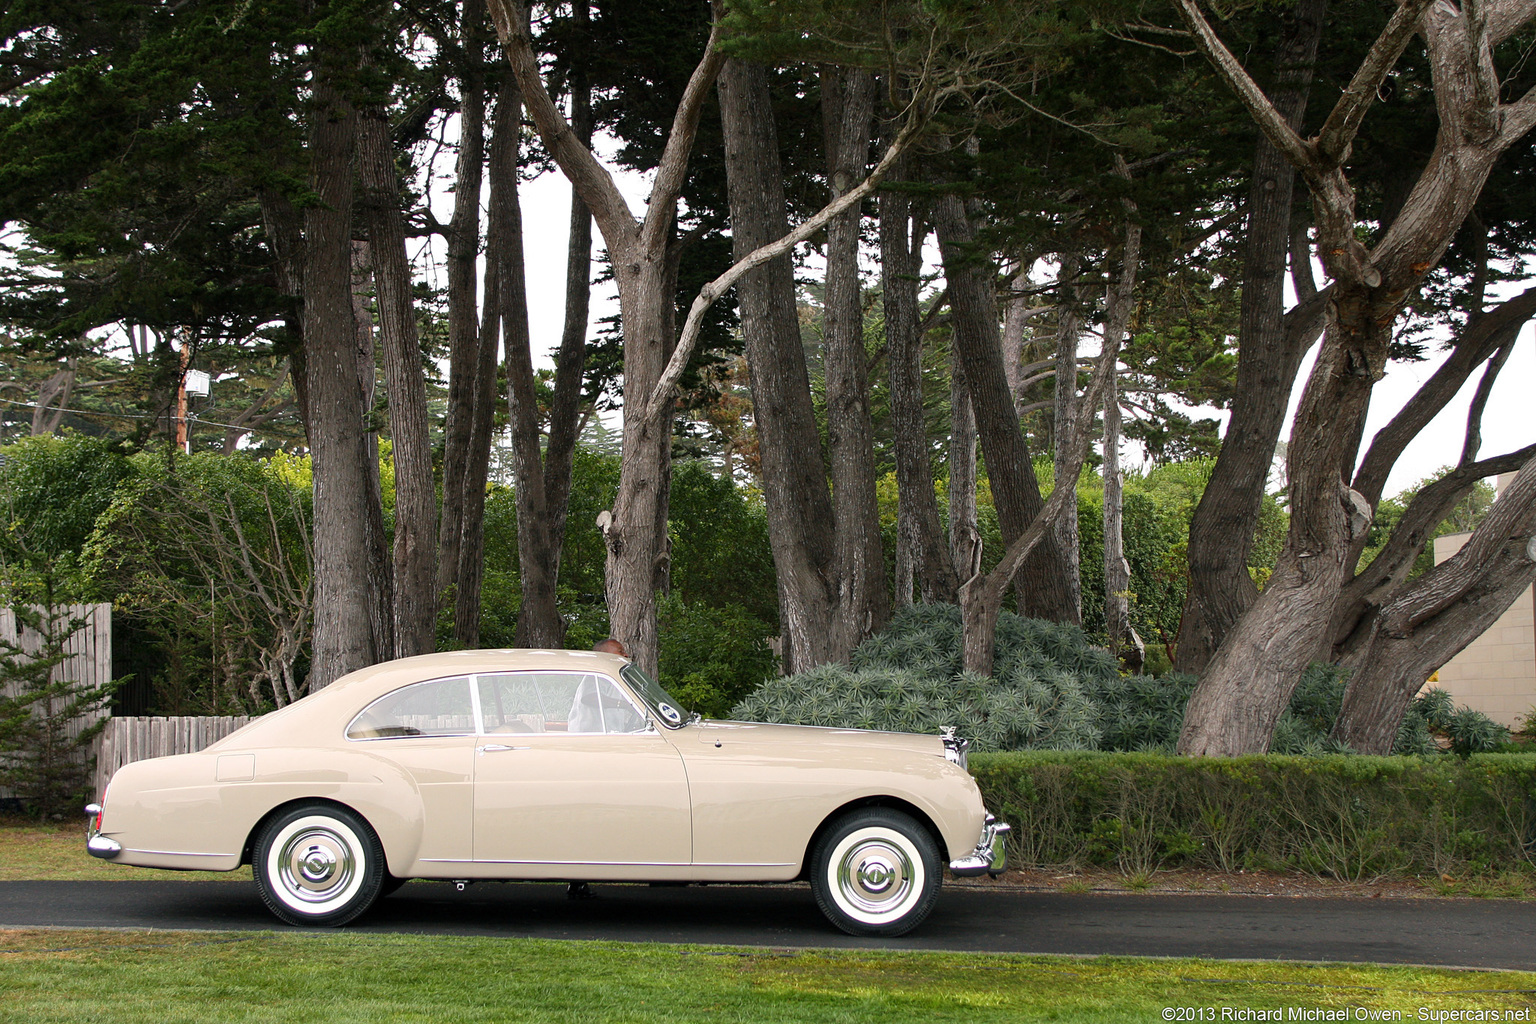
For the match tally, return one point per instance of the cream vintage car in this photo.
(550, 765)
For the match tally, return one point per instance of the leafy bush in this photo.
(1051, 688)
(1345, 817)
(711, 657)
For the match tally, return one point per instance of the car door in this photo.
(569, 772)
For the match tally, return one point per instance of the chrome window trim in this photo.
(639, 707)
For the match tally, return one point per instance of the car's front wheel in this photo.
(875, 871)
(318, 864)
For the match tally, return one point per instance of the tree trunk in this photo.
(848, 102)
(1069, 327)
(53, 399)
(463, 320)
(565, 409)
(415, 545)
(503, 247)
(381, 602)
(343, 638)
(794, 486)
(1438, 615)
(964, 537)
(1118, 304)
(1269, 355)
(920, 533)
(1249, 681)
(637, 549)
(538, 620)
(643, 262)
(1017, 313)
(1015, 490)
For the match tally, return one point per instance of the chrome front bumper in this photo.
(990, 856)
(98, 845)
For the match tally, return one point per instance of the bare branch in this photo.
(1338, 133)
(673, 170)
(1474, 437)
(590, 179)
(1270, 121)
(1517, 118)
(1508, 518)
(1503, 18)
(666, 386)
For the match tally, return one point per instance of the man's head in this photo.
(609, 645)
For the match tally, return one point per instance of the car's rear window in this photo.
(441, 707)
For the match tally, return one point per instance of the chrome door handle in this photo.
(494, 748)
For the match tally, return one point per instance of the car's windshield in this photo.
(666, 706)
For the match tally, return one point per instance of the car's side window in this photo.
(441, 707)
(572, 702)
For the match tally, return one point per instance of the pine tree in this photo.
(42, 760)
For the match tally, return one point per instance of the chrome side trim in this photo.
(991, 854)
(610, 863)
(103, 847)
(178, 853)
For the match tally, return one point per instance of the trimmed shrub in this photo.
(1333, 816)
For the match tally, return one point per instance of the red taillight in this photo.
(96, 822)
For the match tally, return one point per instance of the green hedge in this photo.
(1341, 816)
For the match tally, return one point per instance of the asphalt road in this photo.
(1462, 933)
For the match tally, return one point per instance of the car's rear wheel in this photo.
(875, 871)
(318, 864)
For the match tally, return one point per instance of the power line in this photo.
(122, 415)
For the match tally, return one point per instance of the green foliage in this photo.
(210, 559)
(52, 489)
(1052, 688)
(45, 754)
(1333, 816)
(712, 656)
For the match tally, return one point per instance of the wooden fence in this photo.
(135, 739)
(89, 651)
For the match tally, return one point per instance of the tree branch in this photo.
(1517, 118)
(673, 170)
(666, 386)
(1474, 436)
(1270, 120)
(1333, 142)
(588, 177)
(1508, 518)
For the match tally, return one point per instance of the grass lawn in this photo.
(170, 977)
(55, 851)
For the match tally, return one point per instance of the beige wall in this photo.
(1496, 674)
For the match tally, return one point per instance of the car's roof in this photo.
(451, 663)
(319, 716)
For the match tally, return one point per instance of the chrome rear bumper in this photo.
(990, 856)
(101, 846)
(98, 845)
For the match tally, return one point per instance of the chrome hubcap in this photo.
(316, 864)
(875, 876)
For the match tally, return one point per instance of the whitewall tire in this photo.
(876, 871)
(318, 864)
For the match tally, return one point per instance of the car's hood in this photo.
(787, 737)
